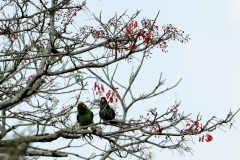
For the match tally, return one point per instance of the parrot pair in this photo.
(85, 115)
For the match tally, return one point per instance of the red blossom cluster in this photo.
(156, 128)
(133, 35)
(98, 33)
(208, 138)
(111, 95)
(14, 35)
(98, 88)
(130, 28)
(148, 34)
(193, 127)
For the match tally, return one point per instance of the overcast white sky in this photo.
(209, 64)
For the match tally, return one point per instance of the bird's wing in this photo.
(113, 113)
(92, 115)
(77, 117)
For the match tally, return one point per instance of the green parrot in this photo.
(85, 115)
(106, 113)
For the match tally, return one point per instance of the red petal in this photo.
(95, 86)
(136, 24)
(102, 88)
(115, 89)
(14, 36)
(209, 138)
(118, 96)
(107, 95)
(29, 78)
(111, 99)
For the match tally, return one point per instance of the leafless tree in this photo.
(49, 55)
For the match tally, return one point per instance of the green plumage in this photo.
(106, 113)
(85, 115)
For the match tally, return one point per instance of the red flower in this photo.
(165, 43)
(102, 88)
(187, 124)
(202, 138)
(30, 77)
(118, 96)
(131, 46)
(75, 13)
(14, 36)
(95, 86)
(148, 40)
(197, 125)
(133, 25)
(111, 100)
(141, 34)
(108, 94)
(115, 90)
(148, 35)
(209, 138)
(128, 31)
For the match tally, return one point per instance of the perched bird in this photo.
(84, 116)
(106, 113)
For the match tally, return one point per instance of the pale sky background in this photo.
(209, 65)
